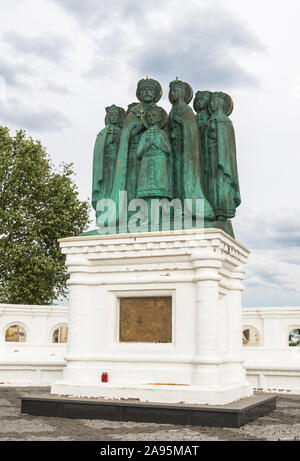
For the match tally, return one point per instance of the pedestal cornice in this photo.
(172, 244)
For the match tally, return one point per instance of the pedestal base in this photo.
(156, 393)
(233, 415)
(159, 314)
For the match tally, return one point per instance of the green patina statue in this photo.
(105, 154)
(154, 150)
(186, 159)
(148, 93)
(186, 149)
(203, 116)
(223, 191)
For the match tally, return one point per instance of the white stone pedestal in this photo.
(202, 270)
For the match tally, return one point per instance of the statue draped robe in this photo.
(104, 163)
(203, 124)
(224, 192)
(186, 150)
(154, 176)
(127, 167)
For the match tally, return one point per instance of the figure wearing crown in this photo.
(105, 154)
(154, 151)
(154, 154)
(148, 93)
(186, 148)
(203, 118)
(223, 190)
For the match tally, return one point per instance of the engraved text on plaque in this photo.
(146, 319)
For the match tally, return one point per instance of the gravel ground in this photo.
(281, 424)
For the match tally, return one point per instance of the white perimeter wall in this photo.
(272, 366)
(38, 361)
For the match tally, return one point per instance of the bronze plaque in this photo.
(146, 320)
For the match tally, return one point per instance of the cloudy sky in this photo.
(63, 61)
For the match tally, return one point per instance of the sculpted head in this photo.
(180, 91)
(176, 94)
(114, 115)
(148, 90)
(155, 115)
(222, 102)
(201, 100)
(147, 94)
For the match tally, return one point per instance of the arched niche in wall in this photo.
(60, 334)
(251, 336)
(294, 337)
(15, 333)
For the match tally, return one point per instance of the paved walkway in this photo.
(281, 424)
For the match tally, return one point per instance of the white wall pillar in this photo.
(78, 319)
(235, 321)
(235, 311)
(207, 264)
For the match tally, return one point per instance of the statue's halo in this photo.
(188, 90)
(228, 102)
(163, 120)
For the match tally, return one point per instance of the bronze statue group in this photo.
(183, 155)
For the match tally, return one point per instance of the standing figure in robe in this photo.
(148, 93)
(186, 149)
(105, 154)
(224, 192)
(154, 152)
(203, 116)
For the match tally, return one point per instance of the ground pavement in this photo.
(281, 424)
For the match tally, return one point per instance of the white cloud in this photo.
(49, 47)
(22, 117)
(273, 272)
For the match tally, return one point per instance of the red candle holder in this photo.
(104, 378)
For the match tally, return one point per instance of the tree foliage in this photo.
(38, 205)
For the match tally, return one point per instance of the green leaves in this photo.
(38, 205)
